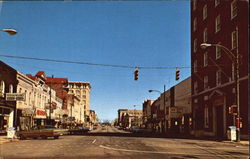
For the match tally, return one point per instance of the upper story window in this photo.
(234, 39)
(218, 51)
(195, 45)
(195, 24)
(217, 24)
(195, 66)
(205, 35)
(216, 2)
(233, 9)
(205, 58)
(195, 87)
(205, 12)
(11, 88)
(194, 4)
(2, 87)
(218, 77)
(233, 71)
(205, 80)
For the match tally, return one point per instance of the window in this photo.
(217, 24)
(194, 4)
(205, 59)
(218, 51)
(234, 39)
(195, 45)
(20, 90)
(195, 24)
(233, 9)
(205, 80)
(216, 2)
(204, 12)
(206, 117)
(11, 88)
(205, 35)
(218, 78)
(2, 88)
(195, 66)
(195, 87)
(233, 71)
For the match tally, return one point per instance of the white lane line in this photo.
(160, 152)
(93, 141)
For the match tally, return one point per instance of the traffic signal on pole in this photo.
(177, 74)
(136, 72)
(232, 110)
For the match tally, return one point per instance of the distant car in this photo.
(78, 131)
(39, 132)
(138, 130)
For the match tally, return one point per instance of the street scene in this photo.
(109, 142)
(124, 79)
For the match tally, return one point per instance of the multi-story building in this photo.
(82, 91)
(225, 24)
(146, 109)
(36, 108)
(8, 84)
(130, 118)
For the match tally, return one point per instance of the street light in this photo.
(9, 31)
(235, 60)
(164, 104)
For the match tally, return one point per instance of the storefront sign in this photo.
(15, 96)
(28, 112)
(40, 113)
(50, 106)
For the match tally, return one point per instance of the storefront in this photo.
(6, 118)
(26, 119)
(40, 117)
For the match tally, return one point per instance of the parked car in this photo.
(39, 131)
(79, 130)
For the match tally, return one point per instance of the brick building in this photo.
(213, 72)
(8, 84)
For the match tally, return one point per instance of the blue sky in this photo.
(149, 33)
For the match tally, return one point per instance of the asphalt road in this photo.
(110, 143)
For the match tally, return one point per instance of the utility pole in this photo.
(50, 102)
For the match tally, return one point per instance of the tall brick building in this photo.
(213, 72)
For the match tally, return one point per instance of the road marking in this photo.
(160, 152)
(93, 141)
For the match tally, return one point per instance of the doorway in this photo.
(219, 121)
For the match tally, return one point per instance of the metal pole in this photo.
(237, 87)
(50, 101)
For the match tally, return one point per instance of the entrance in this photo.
(219, 121)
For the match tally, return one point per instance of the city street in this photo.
(110, 143)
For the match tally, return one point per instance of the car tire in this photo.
(44, 137)
(56, 137)
(22, 137)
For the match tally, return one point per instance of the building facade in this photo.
(8, 84)
(82, 91)
(223, 23)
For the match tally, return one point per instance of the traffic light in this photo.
(136, 72)
(232, 109)
(177, 74)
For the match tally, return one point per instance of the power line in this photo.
(92, 64)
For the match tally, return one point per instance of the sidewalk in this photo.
(4, 139)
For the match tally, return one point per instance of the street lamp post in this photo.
(164, 104)
(235, 60)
